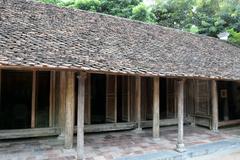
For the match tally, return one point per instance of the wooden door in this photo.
(149, 109)
(171, 98)
(203, 103)
(125, 99)
(132, 86)
(87, 110)
(111, 98)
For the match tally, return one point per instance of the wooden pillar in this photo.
(180, 104)
(80, 119)
(62, 105)
(33, 109)
(69, 124)
(138, 102)
(156, 117)
(214, 106)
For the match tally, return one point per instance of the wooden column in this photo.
(80, 119)
(33, 112)
(62, 103)
(214, 106)
(138, 102)
(180, 104)
(69, 124)
(156, 117)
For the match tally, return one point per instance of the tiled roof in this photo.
(45, 36)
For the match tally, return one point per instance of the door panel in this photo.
(171, 98)
(111, 99)
(125, 98)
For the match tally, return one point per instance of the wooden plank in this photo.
(214, 105)
(229, 123)
(106, 127)
(162, 123)
(28, 133)
(80, 115)
(156, 106)
(69, 124)
(33, 108)
(180, 93)
(138, 101)
(111, 99)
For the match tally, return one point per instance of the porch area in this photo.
(112, 145)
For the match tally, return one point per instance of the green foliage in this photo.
(208, 17)
(142, 13)
(234, 36)
(121, 8)
(91, 5)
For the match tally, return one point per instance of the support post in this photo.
(62, 105)
(138, 102)
(156, 117)
(69, 124)
(180, 104)
(33, 112)
(80, 119)
(214, 106)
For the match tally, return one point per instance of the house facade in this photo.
(65, 71)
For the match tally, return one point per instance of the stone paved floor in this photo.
(107, 146)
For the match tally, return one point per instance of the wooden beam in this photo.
(138, 102)
(180, 104)
(214, 105)
(156, 117)
(69, 124)
(28, 133)
(33, 109)
(80, 119)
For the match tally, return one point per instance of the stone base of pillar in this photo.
(215, 130)
(61, 136)
(180, 148)
(138, 130)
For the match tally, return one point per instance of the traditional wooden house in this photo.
(64, 71)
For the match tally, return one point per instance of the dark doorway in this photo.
(229, 100)
(42, 99)
(98, 98)
(163, 98)
(16, 95)
(119, 99)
